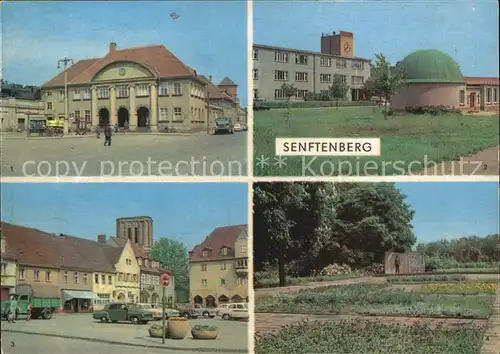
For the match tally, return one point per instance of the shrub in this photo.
(432, 110)
(336, 269)
(461, 288)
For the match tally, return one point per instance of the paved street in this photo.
(27, 344)
(87, 333)
(129, 155)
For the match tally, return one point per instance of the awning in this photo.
(78, 294)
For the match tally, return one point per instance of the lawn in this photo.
(371, 299)
(369, 338)
(405, 139)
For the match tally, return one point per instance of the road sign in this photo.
(165, 280)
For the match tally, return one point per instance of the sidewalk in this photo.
(491, 338)
(23, 136)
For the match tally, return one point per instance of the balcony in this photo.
(241, 269)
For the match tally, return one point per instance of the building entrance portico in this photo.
(104, 117)
(123, 117)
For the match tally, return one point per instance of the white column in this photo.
(133, 111)
(95, 114)
(112, 106)
(153, 119)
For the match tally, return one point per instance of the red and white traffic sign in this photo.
(165, 280)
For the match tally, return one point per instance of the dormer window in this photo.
(204, 253)
(224, 251)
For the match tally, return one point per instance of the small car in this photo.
(224, 125)
(235, 311)
(169, 312)
(157, 313)
(123, 312)
(238, 127)
(221, 308)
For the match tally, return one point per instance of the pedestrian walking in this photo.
(28, 317)
(12, 309)
(397, 264)
(107, 135)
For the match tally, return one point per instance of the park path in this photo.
(487, 160)
(318, 284)
(491, 339)
(270, 322)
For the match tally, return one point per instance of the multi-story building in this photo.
(218, 267)
(8, 271)
(138, 232)
(145, 88)
(309, 71)
(127, 286)
(17, 113)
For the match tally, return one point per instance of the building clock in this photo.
(121, 71)
(347, 47)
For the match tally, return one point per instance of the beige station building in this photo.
(309, 71)
(144, 88)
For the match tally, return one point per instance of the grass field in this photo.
(408, 141)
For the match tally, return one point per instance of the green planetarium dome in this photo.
(430, 66)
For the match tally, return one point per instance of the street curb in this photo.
(201, 350)
(94, 137)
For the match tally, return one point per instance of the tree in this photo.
(275, 204)
(173, 256)
(338, 89)
(289, 91)
(385, 79)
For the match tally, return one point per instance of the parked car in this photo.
(219, 310)
(238, 127)
(187, 310)
(235, 311)
(224, 125)
(169, 312)
(123, 312)
(205, 312)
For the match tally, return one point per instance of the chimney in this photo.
(112, 47)
(101, 238)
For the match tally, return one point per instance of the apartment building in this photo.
(144, 88)
(309, 71)
(218, 267)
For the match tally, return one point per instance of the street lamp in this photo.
(65, 63)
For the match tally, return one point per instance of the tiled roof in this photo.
(158, 59)
(294, 50)
(221, 236)
(469, 80)
(213, 91)
(113, 254)
(30, 246)
(227, 82)
(120, 242)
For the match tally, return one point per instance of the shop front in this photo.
(77, 301)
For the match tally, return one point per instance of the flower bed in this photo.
(373, 300)
(204, 332)
(425, 278)
(460, 288)
(369, 338)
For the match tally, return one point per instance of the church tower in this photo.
(137, 229)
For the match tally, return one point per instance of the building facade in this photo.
(127, 287)
(433, 78)
(218, 268)
(309, 71)
(8, 271)
(145, 89)
(16, 113)
(138, 232)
